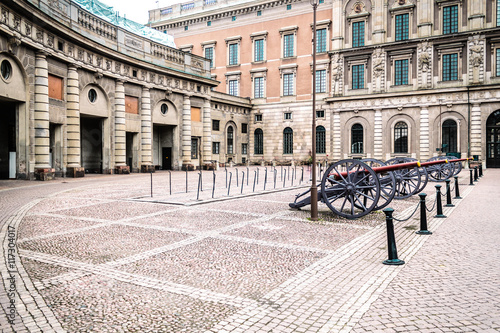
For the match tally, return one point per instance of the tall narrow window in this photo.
(259, 50)
(233, 87)
(450, 19)
(402, 27)
(401, 137)
(321, 40)
(258, 137)
(358, 76)
(288, 141)
(450, 67)
(194, 148)
(358, 34)
(321, 81)
(401, 72)
(288, 46)
(497, 61)
(450, 136)
(230, 140)
(320, 140)
(357, 139)
(233, 54)
(209, 54)
(258, 85)
(498, 13)
(288, 84)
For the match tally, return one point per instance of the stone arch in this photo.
(462, 130)
(367, 134)
(412, 135)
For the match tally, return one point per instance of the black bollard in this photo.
(423, 216)
(439, 205)
(199, 185)
(480, 170)
(248, 175)
(288, 168)
(275, 176)
(476, 178)
(213, 187)
(265, 180)
(237, 182)
(186, 180)
(258, 171)
(448, 194)
(457, 191)
(226, 174)
(151, 184)
(293, 174)
(391, 240)
(471, 180)
(170, 181)
(201, 176)
(284, 179)
(301, 176)
(242, 181)
(254, 179)
(229, 187)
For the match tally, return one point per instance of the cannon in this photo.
(354, 188)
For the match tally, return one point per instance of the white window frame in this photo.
(288, 69)
(289, 31)
(399, 10)
(358, 13)
(322, 65)
(450, 49)
(233, 76)
(448, 3)
(259, 72)
(402, 55)
(325, 24)
(208, 44)
(353, 62)
(495, 46)
(257, 36)
(393, 147)
(230, 41)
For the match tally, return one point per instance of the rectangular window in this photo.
(320, 114)
(215, 147)
(209, 54)
(288, 7)
(233, 54)
(187, 6)
(186, 28)
(497, 61)
(401, 72)
(55, 87)
(166, 11)
(233, 87)
(288, 115)
(498, 13)
(288, 46)
(259, 13)
(450, 67)
(209, 23)
(258, 83)
(288, 84)
(321, 1)
(321, 40)
(321, 81)
(131, 104)
(358, 34)
(194, 148)
(215, 125)
(233, 18)
(244, 148)
(195, 114)
(402, 26)
(244, 128)
(258, 117)
(358, 77)
(450, 19)
(259, 50)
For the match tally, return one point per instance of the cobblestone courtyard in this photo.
(101, 254)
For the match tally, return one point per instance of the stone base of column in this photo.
(75, 172)
(209, 166)
(188, 167)
(122, 170)
(45, 174)
(147, 168)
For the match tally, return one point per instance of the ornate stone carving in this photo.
(5, 15)
(108, 64)
(99, 61)
(71, 50)
(27, 29)
(337, 73)
(378, 70)
(80, 54)
(476, 53)
(424, 54)
(476, 58)
(118, 67)
(50, 40)
(39, 35)
(160, 80)
(17, 23)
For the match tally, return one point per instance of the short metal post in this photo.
(265, 180)
(423, 216)
(448, 194)
(229, 187)
(476, 178)
(471, 179)
(439, 205)
(284, 180)
(258, 176)
(199, 186)
(242, 181)
(480, 170)
(293, 174)
(254, 179)
(275, 176)
(281, 171)
(213, 187)
(170, 181)
(301, 176)
(237, 182)
(457, 191)
(248, 175)
(151, 183)
(391, 240)
(288, 168)
(201, 176)
(226, 174)
(186, 180)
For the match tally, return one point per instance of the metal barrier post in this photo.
(293, 174)
(471, 180)
(242, 182)
(448, 194)
(391, 240)
(265, 180)
(284, 179)
(248, 175)
(254, 179)
(230, 179)
(301, 176)
(237, 182)
(151, 183)
(480, 170)
(226, 175)
(186, 180)
(170, 181)
(213, 188)
(476, 178)
(423, 216)
(199, 184)
(439, 205)
(275, 175)
(457, 191)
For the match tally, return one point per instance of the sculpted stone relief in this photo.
(378, 70)
(476, 59)
(337, 73)
(424, 52)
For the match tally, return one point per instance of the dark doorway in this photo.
(493, 140)
(131, 152)
(91, 141)
(8, 141)
(449, 139)
(166, 158)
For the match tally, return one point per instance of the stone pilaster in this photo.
(207, 133)
(424, 133)
(476, 50)
(475, 130)
(186, 134)
(337, 136)
(378, 136)
(120, 129)
(146, 132)
(74, 169)
(43, 171)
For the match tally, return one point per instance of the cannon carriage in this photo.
(354, 188)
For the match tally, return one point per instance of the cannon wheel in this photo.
(358, 187)
(440, 172)
(387, 182)
(407, 180)
(424, 175)
(457, 166)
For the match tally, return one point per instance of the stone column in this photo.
(186, 134)
(424, 133)
(120, 130)
(207, 133)
(43, 171)
(475, 130)
(337, 136)
(74, 168)
(146, 132)
(378, 150)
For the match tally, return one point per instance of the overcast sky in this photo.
(137, 10)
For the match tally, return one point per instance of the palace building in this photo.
(393, 77)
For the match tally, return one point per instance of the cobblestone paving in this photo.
(101, 255)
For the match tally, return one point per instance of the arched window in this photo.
(288, 141)
(401, 137)
(357, 139)
(450, 136)
(230, 140)
(320, 140)
(258, 142)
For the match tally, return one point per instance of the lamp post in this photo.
(314, 187)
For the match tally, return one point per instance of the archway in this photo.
(493, 140)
